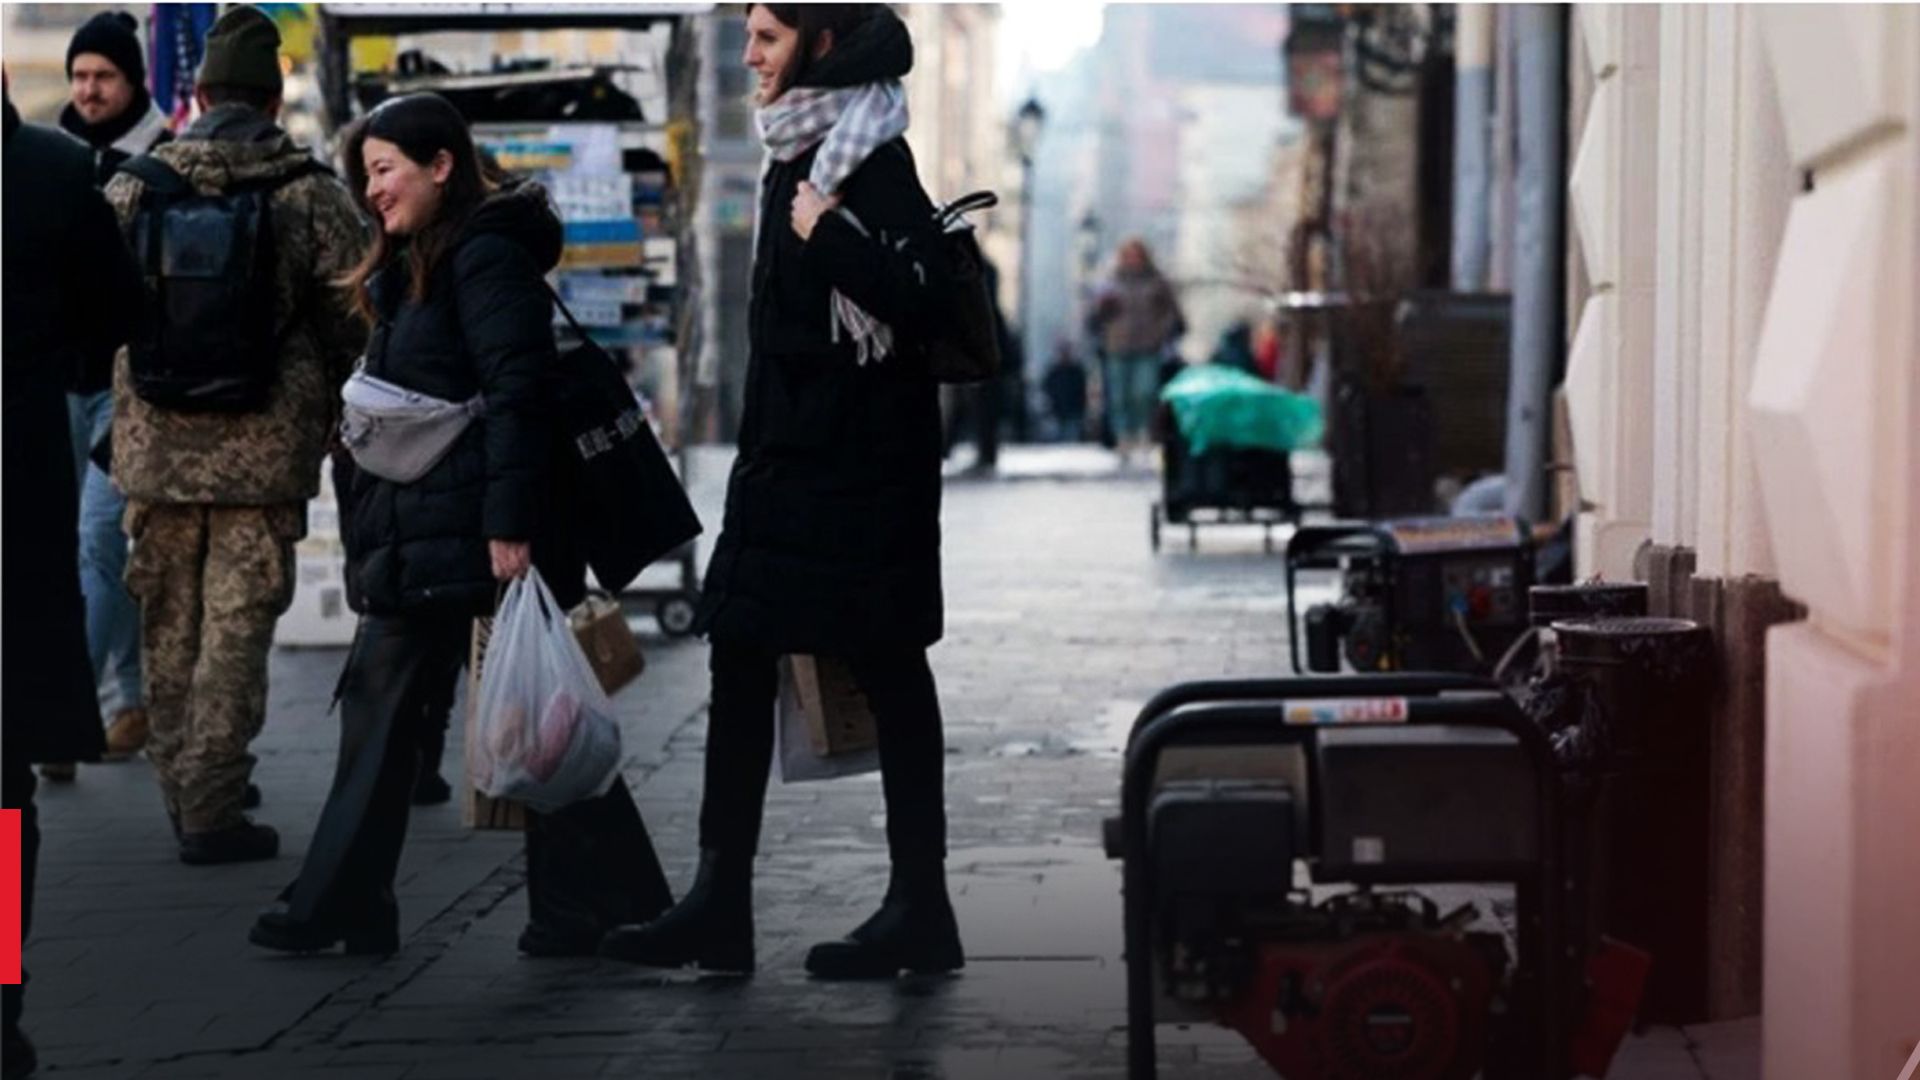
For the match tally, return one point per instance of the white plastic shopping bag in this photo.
(547, 733)
(826, 728)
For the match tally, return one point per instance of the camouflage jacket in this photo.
(273, 455)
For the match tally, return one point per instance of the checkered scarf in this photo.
(848, 124)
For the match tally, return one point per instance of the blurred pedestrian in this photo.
(1235, 348)
(1066, 390)
(831, 541)
(981, 407)
(71, 291)
(218, 457)
(1137, 318)
(454, 292)
(110, 110)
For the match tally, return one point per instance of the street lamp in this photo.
(1026, 140)
(1026, 129)
(1089, 237)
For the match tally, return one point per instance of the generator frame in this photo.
(1255, 711)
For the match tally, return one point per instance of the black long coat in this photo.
(831, 539)
(483, 327)
(71, 289)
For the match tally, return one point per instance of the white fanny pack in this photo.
(399, 434)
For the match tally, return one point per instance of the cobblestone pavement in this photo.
(1060, 623)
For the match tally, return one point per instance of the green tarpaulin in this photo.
(1218, 406)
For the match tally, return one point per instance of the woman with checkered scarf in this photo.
(831, 540)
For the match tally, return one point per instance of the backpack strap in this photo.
(159, 177)
(308, 167)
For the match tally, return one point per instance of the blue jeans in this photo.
(113, 619)
(1134, 394)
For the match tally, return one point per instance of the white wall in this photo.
(1756, 403)
(1610, 366)
(1829, 413)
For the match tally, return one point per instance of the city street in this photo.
(1060, 622)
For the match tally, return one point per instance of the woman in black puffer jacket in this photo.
(454, 294)
(831, 542)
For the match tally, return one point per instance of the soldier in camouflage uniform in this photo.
(217, 500)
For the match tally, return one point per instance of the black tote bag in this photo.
(623, 498)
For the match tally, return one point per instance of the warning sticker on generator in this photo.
(1384, 710)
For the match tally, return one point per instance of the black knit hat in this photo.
(243, 49)
(114, 35)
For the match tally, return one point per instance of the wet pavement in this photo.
(1060, 623)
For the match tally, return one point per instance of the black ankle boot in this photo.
(247, 841)
(277, 930)
(429, 788)
(914, 931)
(711, 927)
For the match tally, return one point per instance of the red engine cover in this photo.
(1380, 1007)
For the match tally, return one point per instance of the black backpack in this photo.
(967, 348)
(210, 343)
(965, 345)
(619, 493)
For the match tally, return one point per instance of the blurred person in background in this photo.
(110, 110)
(1137, 319)
(71, 292)
(1065, 386)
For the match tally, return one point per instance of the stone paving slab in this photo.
(1060, 624)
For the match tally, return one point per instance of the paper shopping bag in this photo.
(612, 650)
(826, 726)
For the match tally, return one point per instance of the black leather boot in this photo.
(247, 841)
(711, 927)
(914, 931)
(429, 787)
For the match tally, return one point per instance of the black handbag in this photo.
(622, 497)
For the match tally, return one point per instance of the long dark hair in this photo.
(813, 20)
(421, 125)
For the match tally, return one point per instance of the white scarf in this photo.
(848, 124)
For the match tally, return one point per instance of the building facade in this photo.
(1743, 382)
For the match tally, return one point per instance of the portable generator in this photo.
(1417, 594)
(1296, 857)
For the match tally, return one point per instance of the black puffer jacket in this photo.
(831, 540)
(483, 327)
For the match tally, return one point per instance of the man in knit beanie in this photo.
(216, 500)
(109, 110)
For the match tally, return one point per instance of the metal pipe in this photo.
(1539, 264)
(1472, 114)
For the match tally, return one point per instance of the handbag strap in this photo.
(562, 305)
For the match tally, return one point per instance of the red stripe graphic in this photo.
(10, 897)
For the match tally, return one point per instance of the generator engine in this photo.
(1287, 908)
(1362, 986)
(1419, 594)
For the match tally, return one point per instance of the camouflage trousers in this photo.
(211, 582)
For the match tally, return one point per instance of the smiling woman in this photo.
(458, 312)
(785, 40)
(413, 169)
(831, 541)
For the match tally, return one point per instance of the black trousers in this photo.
(740, 738)
(17, 785)
(590, 866)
